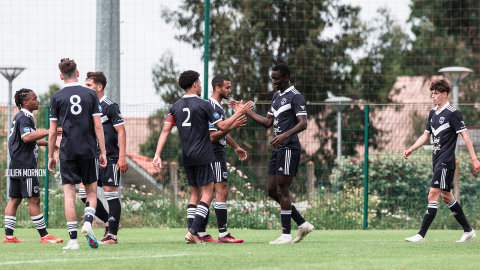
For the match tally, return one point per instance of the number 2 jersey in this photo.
(285, 108)
(23, 155)
(75, 107)
(192, 115)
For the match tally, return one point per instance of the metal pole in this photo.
(9, 123)
(455, 95)
(339, 136)
(365, 172)
(47, 186)
(107, 57)
(206, 41)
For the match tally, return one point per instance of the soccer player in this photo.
(220, 138)
(288, 115)
(115, 144)
(79, 111)
(191, 115)
(23, 148)
(444, 123)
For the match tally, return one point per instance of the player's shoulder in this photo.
(296, 95)
(24, 116)
(107, 102)
(452, 109)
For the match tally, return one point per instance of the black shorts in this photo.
(284, 161)
(109, 176)
(78, 171)
(220, 171)
(24, 188)
(200, 175)
(443, 179)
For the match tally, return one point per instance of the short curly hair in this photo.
(283, 68)
(187, 78)
(98, 78)
(67, 68)
(441, 86)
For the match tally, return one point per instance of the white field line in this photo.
(91, 259)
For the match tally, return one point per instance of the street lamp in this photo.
(10, 73)
(337, 101)
(455, 75)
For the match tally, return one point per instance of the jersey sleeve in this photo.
(170, 118)
(24, 125)
(53, 109)
(428, 128)
(212, 115)
(97, 109)
(115, 116)
(271, 110)
(457, 122)
(299, 105)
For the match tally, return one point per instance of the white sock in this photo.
(303, 225)
(222, 234)
(201, 234)
(289, 236)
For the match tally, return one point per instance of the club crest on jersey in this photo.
(100, 108)
(216, 115)
(26, 130)
(225, 174)
(441, 120)
(284, 100)
(35, 189)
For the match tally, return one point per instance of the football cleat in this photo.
(467, 236)
(282, 240)
(88, 233)
(107, 230)
(302, 232)
(193, 239)
(72, 244)
(109, 239)
(50, 239)
(208, 238)
(229, 239)
(416, 238)
(11, 240)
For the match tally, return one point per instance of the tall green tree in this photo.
(44, 98)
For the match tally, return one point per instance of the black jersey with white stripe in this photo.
(191, 115)
(444, 126)
(23, 155)
(74, 106)
(285, 108)
(218, 147)
(111, 117)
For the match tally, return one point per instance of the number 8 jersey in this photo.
(191, 116)
(75, 107)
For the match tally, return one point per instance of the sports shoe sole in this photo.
(474, 235)
(92, 242)
(421, 241)
(303, 236)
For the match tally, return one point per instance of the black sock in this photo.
(221, 212)
(203, 228)
(286, 216)
(296, 216)
(89, 213)
(428, 218)
(115, 209)
(101, 212)
(39, 223)
(457, 211)
(10, 225)
(202, 211)
(191, 209)
(72, 229)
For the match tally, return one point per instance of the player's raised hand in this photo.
(157, 163)
(234, 104)
(240, 122)
(245, 108)
(122, 165)
(242, 154)
(102, 160)
(407, 153)
(476, 166)
(52, 164)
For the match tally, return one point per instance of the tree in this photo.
(45, 102)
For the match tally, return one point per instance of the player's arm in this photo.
(242, 154)
(98, 127)
(122, 146)
(35, 136)
(42, 142)
(266, 122)
(241, 109)
(167, 128)
(469, 145)
(217, 135)
(52, 162)
(420, 141)
(299, 127)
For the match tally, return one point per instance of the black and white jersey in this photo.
(75, 107)
(191, 115)
(111, 117)
(285, 108)
(23, 155)
(218, 147)
(445, 126)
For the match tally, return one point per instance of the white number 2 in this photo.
(76, 108)
(186, 123)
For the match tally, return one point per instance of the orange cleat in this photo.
(11, 240)
(193, 239)
(50, 239)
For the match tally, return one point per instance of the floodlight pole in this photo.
(206, 41)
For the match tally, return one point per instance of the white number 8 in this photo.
(76, 105)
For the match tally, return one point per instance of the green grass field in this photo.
(166, 249)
